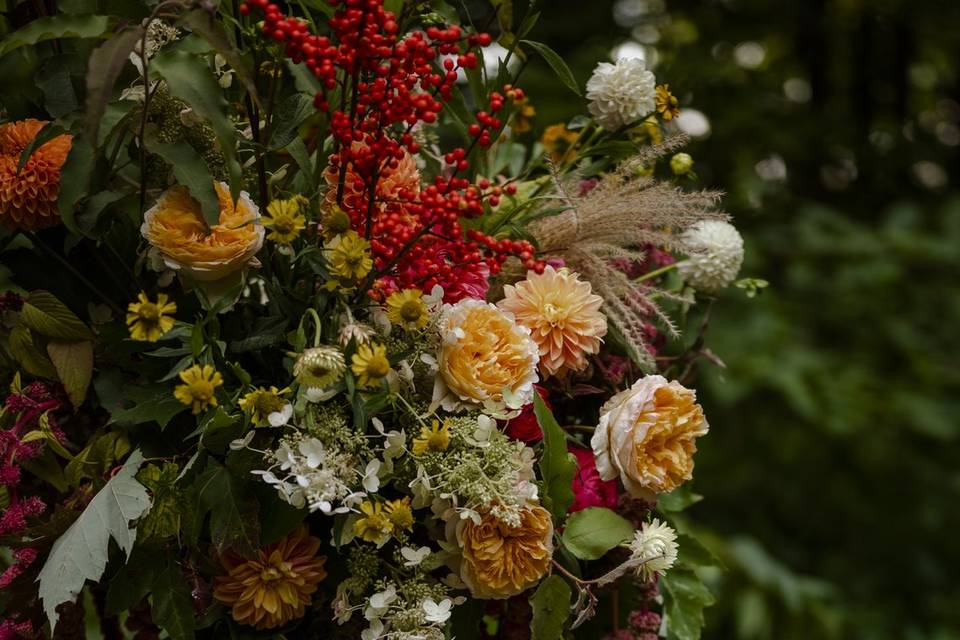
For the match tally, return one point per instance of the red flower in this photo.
(588, 489)
(525, 427)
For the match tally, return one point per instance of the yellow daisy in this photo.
(148, 321)
(261, 402)
(434, 438)
(349, 256)
(335, 222)
(200, 383)
(400, 513)
(370, 364)
(285, 220)
(407, 309)
(375, 525)
(558, 141)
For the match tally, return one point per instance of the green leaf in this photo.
(75, 181)
(678, 499)
(80, 554)
(557, 465)
(134, 580)
(233, 511)
(290, 114)
(591, 533)
(97, 457)
(106, 63)
(49, 317)
(685, 597)
(203, 23)
(74, 364)
(169, 503)
(556, 63)
(190, 78)
(62, 26)
(551, 608)
(55, 79)
(30, 357)
(172, 603)
(191, 172)
(160, 408)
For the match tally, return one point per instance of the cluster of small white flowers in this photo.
(621, 93)
(391, 617)
(306, 473)
(716, 256)
(653, 548)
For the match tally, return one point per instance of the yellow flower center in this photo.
(201, 390)
(378, 366)
(149, 312)
(411, 310)
(283, 225)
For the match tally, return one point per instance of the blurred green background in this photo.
(831, 471)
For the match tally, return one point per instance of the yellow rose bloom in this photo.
(285, 220)
(370, 364)
(647, 436)
(486, 357)
(175, 227)
(148, 321)
(349, 256)
(261, 402)
(500, 561)
(199, 386)
(432, 438)
(563, 316)
(407, 309)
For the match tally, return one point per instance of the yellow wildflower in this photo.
(558, 141)
(350, 256)
(522, 116)
(261, 402)
(148, 321)
(434, 438)
(200, 383)
(335, 222)
(400, 514)
(370, 364)
(407, 309)
(285, 220)
(375, 525)
(666, 103)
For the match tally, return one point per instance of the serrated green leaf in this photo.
(49, 317)
(134, 580)
(106, 63)
(97, 457)
(551, 608)
(290, 114)
(591, 533)
(169, 502)
(74, 364)
(49, 28)
(556, 63)
(161, 409)
(557, 465)
(685, 597)
(172, 603)
(233, 510)
(191, 172)
(80, 554)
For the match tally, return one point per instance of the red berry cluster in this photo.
(386, 84)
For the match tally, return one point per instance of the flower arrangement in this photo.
(297, 313)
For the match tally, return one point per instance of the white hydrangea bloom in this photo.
(716, 257)
(621, 93)
(654, 548)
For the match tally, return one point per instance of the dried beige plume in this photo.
(616, 219)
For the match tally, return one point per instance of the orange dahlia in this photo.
(500, 561)
(563, 316)
(28, 200)
(275, 586)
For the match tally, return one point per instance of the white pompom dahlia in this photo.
(717, 253)
(621, 93)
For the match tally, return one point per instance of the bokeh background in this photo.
(832, 471)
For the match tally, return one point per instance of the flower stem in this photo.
(656, 273)
(317, 326)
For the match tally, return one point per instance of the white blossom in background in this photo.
(715, 257)
(438, 612)
(621, 93)
(654, 548)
